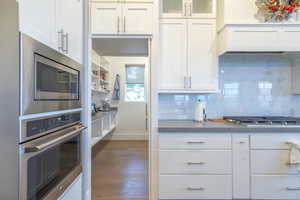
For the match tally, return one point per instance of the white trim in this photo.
(95, 36)
(86, 104)
(154, 70)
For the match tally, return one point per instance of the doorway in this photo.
(120, 118)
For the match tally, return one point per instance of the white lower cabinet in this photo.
(241, 166)
(195, 166)
(271, 162)
(195, 187)
(190, 162)
(227, 166)
(276, 187)
(74, 192)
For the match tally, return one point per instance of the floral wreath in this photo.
(277, 10)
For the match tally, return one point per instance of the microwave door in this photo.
(55, 81)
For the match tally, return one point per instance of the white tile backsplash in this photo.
(250, 85)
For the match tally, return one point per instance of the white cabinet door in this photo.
(195, 162)
(106, 18)
(74, 26)
(195, 186)
(275, 187)
(173, 54)
(70, 23)
(202, 58)
(137, 18)
(37, 19)
(241, 166)
(74, 192)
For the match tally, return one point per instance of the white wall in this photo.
(131, 115)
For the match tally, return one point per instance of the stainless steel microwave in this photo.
(50, 81)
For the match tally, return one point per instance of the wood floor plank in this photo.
(120, 170)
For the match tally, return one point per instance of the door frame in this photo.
(153, 72)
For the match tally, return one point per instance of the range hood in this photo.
(253, 39)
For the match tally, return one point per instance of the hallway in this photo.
(120, 170)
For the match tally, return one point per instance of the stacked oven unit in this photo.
(50, 121)
(40, 116)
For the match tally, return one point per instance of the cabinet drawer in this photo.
(195, 187)
(276, 187)
(204, 162)
(271, 162)
(273, 141)
(192, 141)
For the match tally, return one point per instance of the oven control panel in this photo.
(36, 127)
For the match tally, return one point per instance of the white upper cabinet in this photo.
(56, 23)
(38, 22)
(106, 18)
(137, 18)
(173, 72)
(188, 54)
(188, 8)
(69, 26)
(121, 18)
(202, 56)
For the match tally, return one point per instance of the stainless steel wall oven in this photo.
(51, 162)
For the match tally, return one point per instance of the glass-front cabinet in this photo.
(188, 9)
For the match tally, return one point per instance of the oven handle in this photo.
(54, 142)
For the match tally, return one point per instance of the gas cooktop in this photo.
(264, 121)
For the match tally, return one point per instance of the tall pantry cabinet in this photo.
(188, 47)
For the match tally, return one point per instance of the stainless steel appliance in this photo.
(37, 127)
(49, 164)
(50, 81)
(265, 121)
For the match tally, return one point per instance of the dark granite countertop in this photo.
(165, 126)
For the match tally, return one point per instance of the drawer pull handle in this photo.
(196, 142)
(196, 163)
(293, 188)
(195, 188)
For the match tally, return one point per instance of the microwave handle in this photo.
(53, 142)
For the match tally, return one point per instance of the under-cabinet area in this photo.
(227, 166)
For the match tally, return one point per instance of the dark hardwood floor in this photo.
(120, 170)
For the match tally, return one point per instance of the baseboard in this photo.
(124, 136)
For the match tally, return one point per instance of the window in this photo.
(135, 83)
